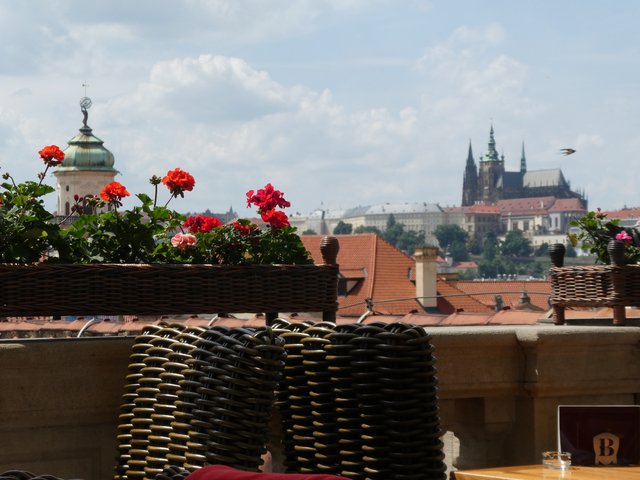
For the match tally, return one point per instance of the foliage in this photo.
(363, 229)
(595, 232)
(343, 228)
(393, 230)
(147, 233)
(458, 251)
(491, 246)
(138, 235)
(26, 230)
(511, 266)
(448, 234)
(394, 233)
(542, 250)
(409, 240)
(474, 246)
(405, 240)
(515, 244)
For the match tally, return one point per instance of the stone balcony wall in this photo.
(499, 391)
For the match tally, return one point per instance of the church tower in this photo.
(490, 173)
(523, 162)
(470, 181)
(87, 166)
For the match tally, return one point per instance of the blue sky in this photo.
(338, 103)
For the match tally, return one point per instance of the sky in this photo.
(338, 103)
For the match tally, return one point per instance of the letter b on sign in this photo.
(605, 448)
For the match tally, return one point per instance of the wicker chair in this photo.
(616, 285)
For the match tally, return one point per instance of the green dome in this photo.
(87, 152)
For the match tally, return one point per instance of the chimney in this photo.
(426, 268)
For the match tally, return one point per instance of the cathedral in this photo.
(489, 182)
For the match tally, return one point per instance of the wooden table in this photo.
(531, 472)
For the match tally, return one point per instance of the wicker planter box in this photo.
(156, 289)
(615, 286)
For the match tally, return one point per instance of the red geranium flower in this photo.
(52, 155)
(244, 229)
(267, 198)
(201, 223)
(114, 192)
(178, 181)
(276, 218)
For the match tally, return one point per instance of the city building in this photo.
(416, 216)
(628, 217)
(378, 279)
(489, 181)
(476, 220)
(87, 166)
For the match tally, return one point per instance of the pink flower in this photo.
(182, 241)
(624, 237)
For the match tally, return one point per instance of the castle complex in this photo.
(489, 182)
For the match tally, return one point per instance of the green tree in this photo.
(409, 240)
(363, 229)
(394, 230)
(516, 245)
(343, 228)
(309, 231)
(491, 245)
(402, 239)
(458, 251)
(474, 246)
(447, 234)
(542, 250)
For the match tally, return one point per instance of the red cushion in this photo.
(222, 472)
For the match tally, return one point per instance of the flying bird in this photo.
(567, 151)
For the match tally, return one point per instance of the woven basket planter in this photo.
(616, 286)
(157, 289)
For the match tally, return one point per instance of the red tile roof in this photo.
(466, 264)
(63, 328)
(525, 206)
(475, 208)
(511, 290)
(624, 213)
(382, 272)
(451, 299)
(384, 278)
(567, 205)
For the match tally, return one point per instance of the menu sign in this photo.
(598, 435)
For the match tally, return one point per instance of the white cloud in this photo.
(242, 92)
(231, 124)
(585, 140)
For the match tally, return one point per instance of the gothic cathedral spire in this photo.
(490, 173)
(492, 153)
(470, 180)
(523, 161)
